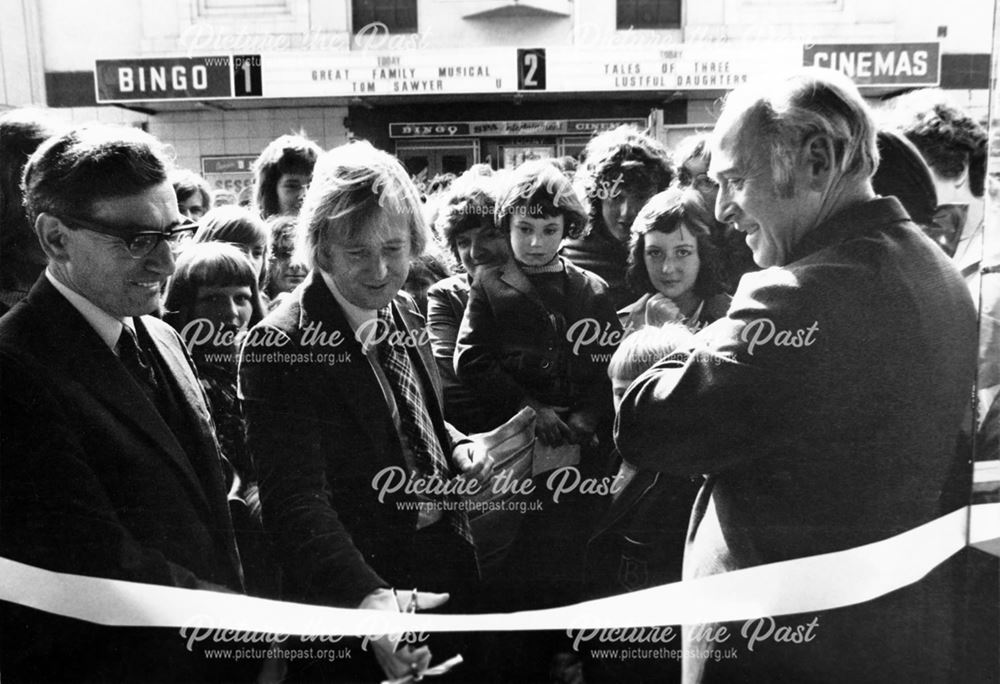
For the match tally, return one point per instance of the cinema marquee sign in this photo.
(880, 64)
(684, 67)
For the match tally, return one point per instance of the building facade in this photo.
(448, 83)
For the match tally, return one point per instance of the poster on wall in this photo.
(230, 172)
(514, 155)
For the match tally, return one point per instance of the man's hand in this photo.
(397, 663)
(584, 430)
(473, 462)
(549, 427)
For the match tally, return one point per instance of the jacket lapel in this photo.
(80, 353)
(515, 278)
(187, 387)
(354, 378)
(409, 321)
(641, 483)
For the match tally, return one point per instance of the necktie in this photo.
(430, 460)
(137, 364)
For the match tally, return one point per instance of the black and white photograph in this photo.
(500, 341)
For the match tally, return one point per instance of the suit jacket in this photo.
(320, 431)
(823, 441)
(639, 540)
(509, 349)
(96, 483)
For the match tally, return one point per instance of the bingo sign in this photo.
(177, 78)
(228, 172)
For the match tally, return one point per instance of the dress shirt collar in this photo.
(104, 324)
(356, 316)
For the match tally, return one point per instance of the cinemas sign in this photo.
(880, 64)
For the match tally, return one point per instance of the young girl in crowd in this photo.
(673, 261)
(538, 330)
(212, 300)
(238, 227)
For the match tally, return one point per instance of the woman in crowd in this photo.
(673, 262)
(194, 195)
(240, 228)
(284, 271)
(212, 300)
(430, 267)
(621, 170)
(282, 173)
(467, 225)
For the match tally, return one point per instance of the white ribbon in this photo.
(803, 585)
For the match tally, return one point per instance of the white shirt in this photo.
(356, 317)
(108, 327)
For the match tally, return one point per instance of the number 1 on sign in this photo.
(247, 78)
(247, 81)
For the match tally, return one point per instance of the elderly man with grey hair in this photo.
(824, 407)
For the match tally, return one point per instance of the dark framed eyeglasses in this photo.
(139, 243)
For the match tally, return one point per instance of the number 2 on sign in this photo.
(531, 66)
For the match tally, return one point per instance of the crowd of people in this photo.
(761, 345)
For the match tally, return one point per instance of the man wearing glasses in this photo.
(702, 190)
(110, 467)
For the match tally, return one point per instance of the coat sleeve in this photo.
(477, 361)
(693, 412)
(596, 402)
(443, 326)
(56, 513)
(284, 431)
